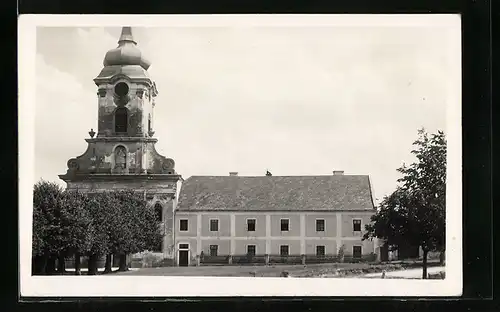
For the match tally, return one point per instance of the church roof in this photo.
(127, 52)
(276, 193)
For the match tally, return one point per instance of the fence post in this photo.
(303, 259)
(267, 259)
(198, 260)
(230, 259)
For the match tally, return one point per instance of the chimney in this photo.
(233, 174)
(338, 172)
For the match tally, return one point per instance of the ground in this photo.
(405, 270)
(410, 273)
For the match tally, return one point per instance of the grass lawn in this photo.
(312, 270)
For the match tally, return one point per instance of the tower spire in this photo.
(126, 53)
(126, 35)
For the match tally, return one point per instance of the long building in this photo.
(275, 217)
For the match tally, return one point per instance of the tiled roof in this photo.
(276, 193)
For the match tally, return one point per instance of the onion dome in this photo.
(126, 53)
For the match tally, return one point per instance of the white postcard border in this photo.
(102, 286)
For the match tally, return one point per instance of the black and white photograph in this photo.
(255, 155)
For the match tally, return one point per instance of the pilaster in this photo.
(198, 234)
(338, 238)
(268, 234)
(233, 232)
(302, 234)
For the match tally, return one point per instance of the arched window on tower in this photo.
(121, 120)
(159, 212)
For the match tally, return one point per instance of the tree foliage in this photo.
(414, 214)
(74, 223)
(47, 229)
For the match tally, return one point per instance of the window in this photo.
(251, 225)
(320, 251)
(121, 89)
(284, 250)
(121, 120)
(320, 225)
(214, 225)
(183, 246)
(251, 250)
(213, 250)
(285, 225)
(183, 225)
(356, 225)
(159, 212)
(356, 251)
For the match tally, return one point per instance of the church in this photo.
(213, 219)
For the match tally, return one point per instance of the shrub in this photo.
(372, 257)
(149, 259)
(165, 262)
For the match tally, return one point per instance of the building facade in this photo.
(232, 218)
(272, 217)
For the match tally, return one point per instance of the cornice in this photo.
(120, 177)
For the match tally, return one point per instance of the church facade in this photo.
(231, 216)
(122, 154)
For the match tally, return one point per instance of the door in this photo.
(183, 257)
(356, 252)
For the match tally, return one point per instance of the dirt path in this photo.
(314, 270)
(244, 271)
(410, 273)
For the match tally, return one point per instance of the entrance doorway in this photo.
(183, 257)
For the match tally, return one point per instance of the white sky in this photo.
(294, 100)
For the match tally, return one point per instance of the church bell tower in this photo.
(122, 154)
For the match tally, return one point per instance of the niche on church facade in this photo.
(120, 159)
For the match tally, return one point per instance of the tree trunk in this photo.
(123, 263)
(61, 264)
(77, 264)
(441, 258)
(424, 264)
(51, 265)
(43, 264)
(92, 265)
(107, 267)
(36, 265)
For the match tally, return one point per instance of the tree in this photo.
(414, 214)
(103, 208)
(77, 223)
(136, 228)
(123, 224)
(47, 231)
(93, 224)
